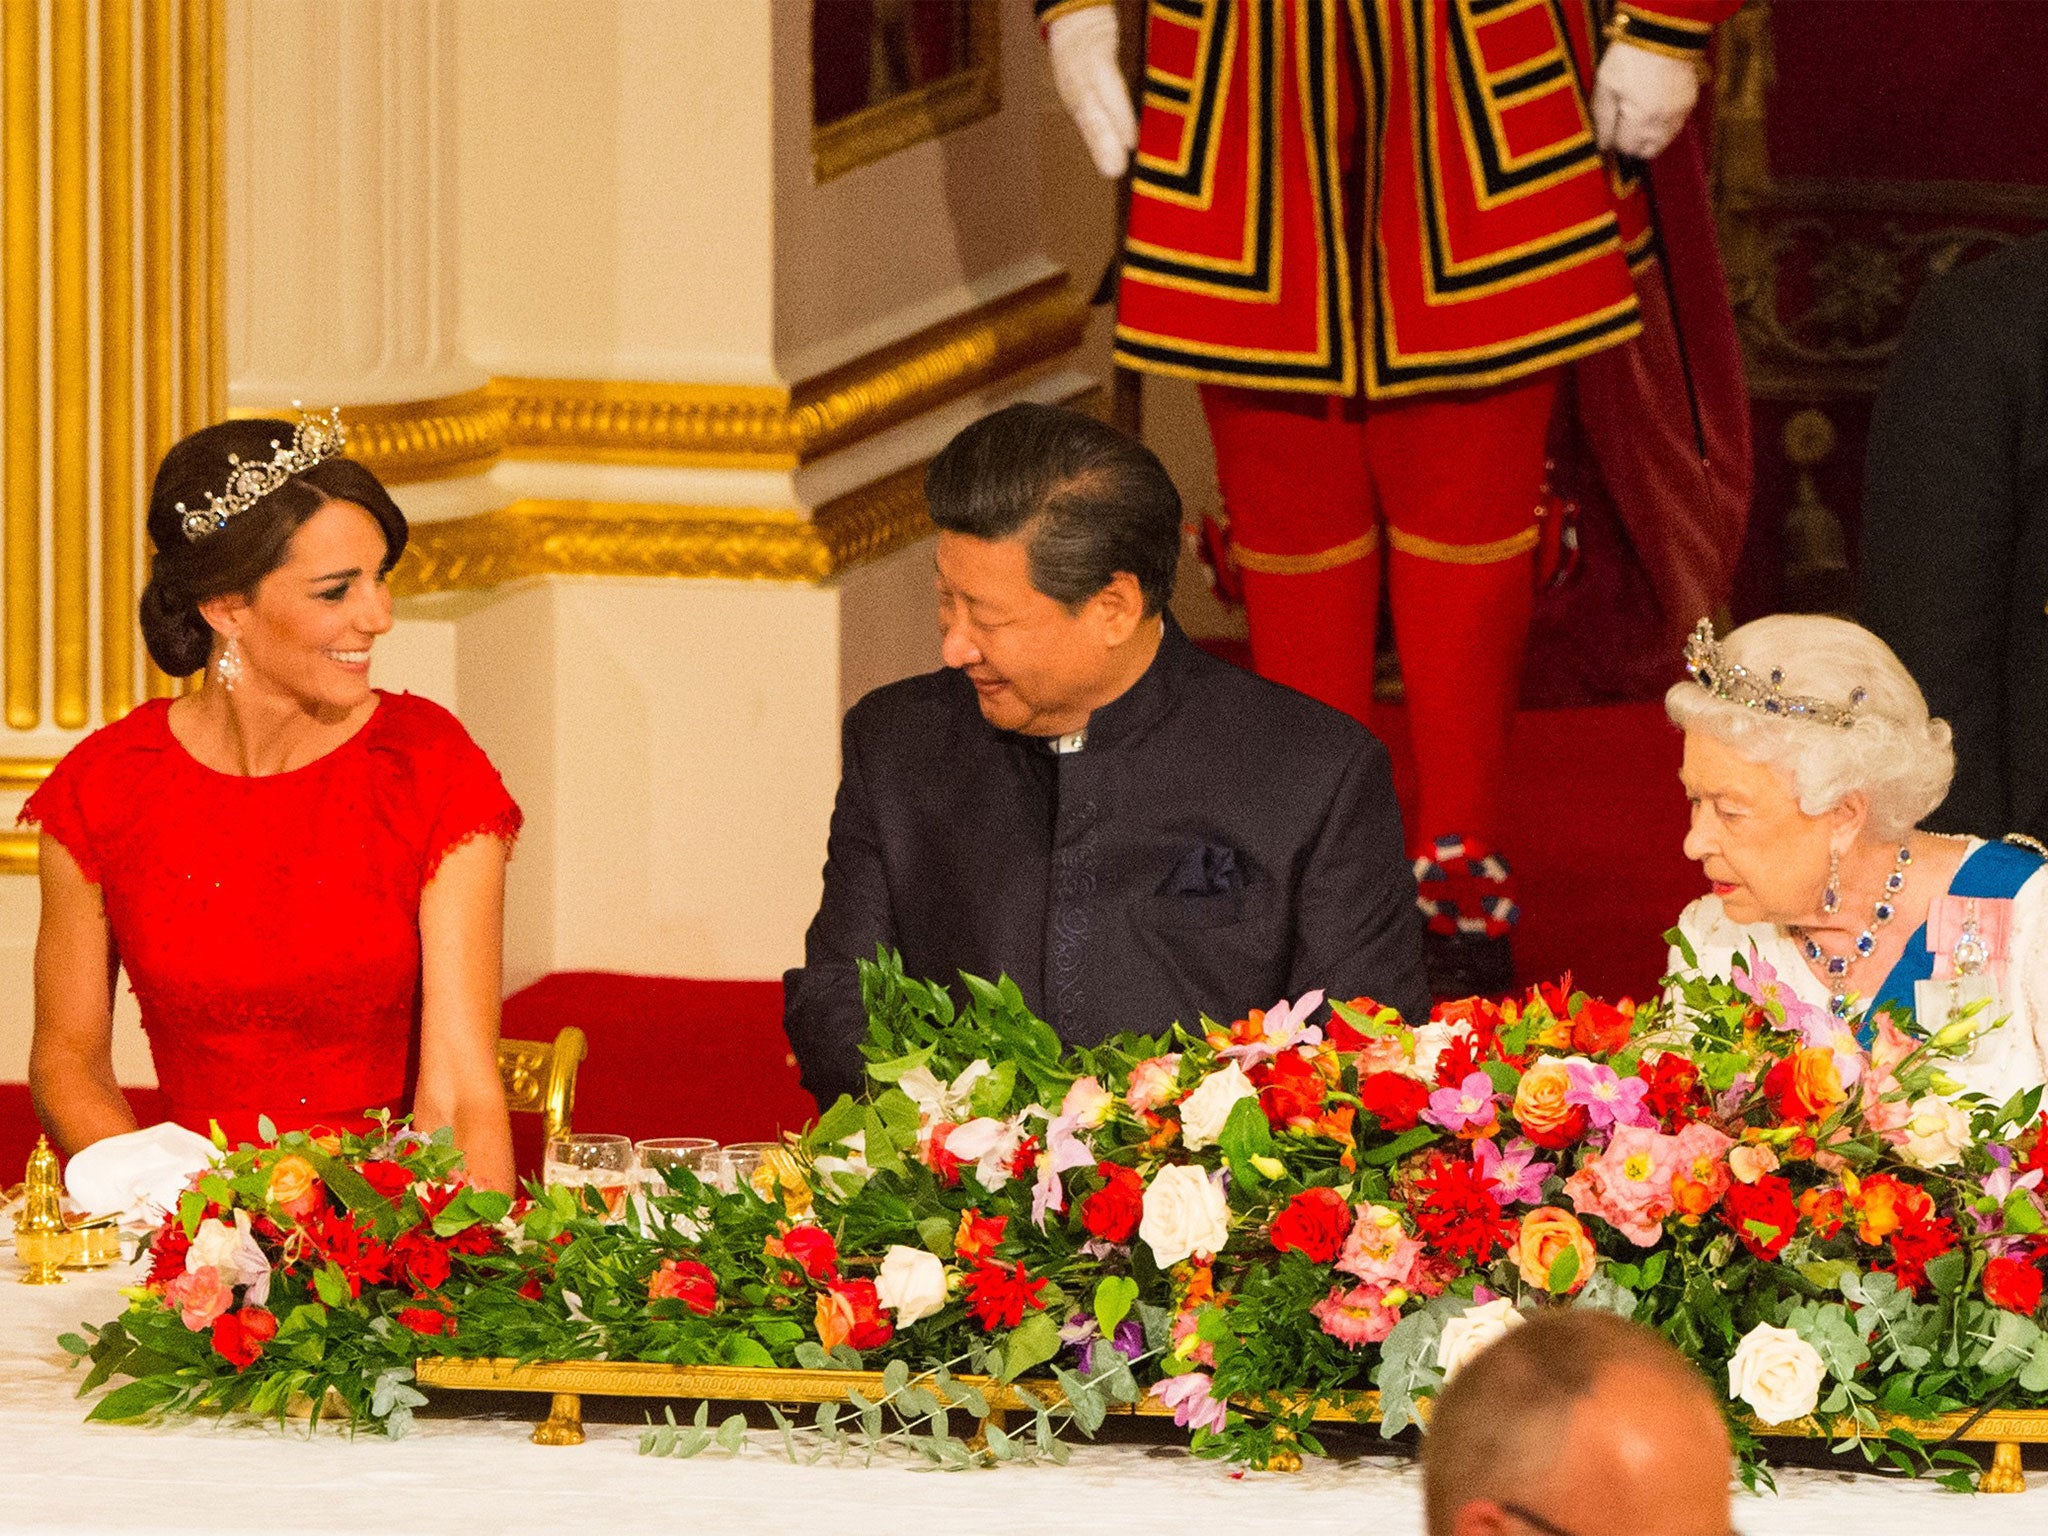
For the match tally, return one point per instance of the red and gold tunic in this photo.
(1441, 220)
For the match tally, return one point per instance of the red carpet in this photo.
(1602, 873)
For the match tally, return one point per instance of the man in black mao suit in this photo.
(1954, 567)
(1135, 832)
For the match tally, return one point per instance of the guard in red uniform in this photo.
(1374, 230)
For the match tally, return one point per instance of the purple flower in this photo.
(1285, 1024)
(1516, 1177)
(1469, 1106)
(1607, 1099)
(2000, 1186)
(1193, 1407)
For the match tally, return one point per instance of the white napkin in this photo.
(139, 1174)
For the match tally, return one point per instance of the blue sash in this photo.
(1994, 872)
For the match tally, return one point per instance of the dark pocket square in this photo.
(1205, 870)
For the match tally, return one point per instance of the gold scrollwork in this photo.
(953, 101)
(428, 439)
(765, 427)
(581, 538)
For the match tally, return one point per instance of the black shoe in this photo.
(1461, 965)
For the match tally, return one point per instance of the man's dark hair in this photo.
(1089, 500)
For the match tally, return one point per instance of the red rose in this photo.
(1598, 1028)
(687, 1281)
(420, 1260)
(2013, 1284)
(1290, 1090)
(811, 1247)
(998, 1297)
(1762, 1215)
(942, 1162)
(239, 1337)
(1397, 1101)
(1314, 1222)
(1113, 1211)
(850, 1312)
(978, 1235)
(1342, 1035)
(1673, 1081)
(426, 1320)
(389, 1179)
(1921, 1237)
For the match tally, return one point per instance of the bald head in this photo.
(1582, 1424)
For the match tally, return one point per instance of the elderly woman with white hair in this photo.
(1810, 760)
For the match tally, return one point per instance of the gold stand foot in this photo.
(1284, 1457)
(564, 1423)
(2004, 1475)
(978, 1442)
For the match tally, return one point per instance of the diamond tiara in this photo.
(314, 440)
(1725, 679)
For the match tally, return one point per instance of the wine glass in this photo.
(599, 1162)
(695, 1154)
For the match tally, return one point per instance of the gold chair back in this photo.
(540, 1077)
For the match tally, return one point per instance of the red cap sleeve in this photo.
(55, 808)
(473, 800)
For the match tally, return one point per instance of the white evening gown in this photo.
(1999, 1064)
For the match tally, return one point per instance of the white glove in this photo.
(139, 1174)
(1641, 99)
(1091, 85)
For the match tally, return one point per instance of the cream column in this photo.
(344, 236)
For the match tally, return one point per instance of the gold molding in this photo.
(779, 428)
(414, 440)
(600, 538)
(963, 97)
(19, 775)
(586, 538)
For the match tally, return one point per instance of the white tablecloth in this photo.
(480, 1473)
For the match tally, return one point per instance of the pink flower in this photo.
(1285, 1024)
(1607, 1098)
(1751, 1161)
(1358, 1316)
(1153, 1082)
(1378, 1249)
(1471, 1107)
(1629, 1185)
(1087, 1104)
(1193, 1407)
(1198, 1350)
(1516, 1178)
(200, 1295)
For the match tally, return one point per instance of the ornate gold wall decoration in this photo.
(583, 538)
(421, 439)
(911, 117)
(67, 152)
(763, 427)
(1822, 272)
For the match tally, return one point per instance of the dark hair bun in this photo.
(179, 640)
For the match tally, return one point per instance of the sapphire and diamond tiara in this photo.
(1729, 680)
(315, 440)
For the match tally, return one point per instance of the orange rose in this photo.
(1546, 1233)
(1882, 1204)
(1598, 1028)
(1540, 1107)
(1806, 1085)
(295, 1186)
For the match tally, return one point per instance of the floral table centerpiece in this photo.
(1237, 1223)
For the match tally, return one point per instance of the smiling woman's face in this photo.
(307, 631)
(1767, 859)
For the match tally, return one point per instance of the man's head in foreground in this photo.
(1058, 541)
(1578, 1423)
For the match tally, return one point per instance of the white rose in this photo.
(1777, 1373)
(1186, 1212)
(235, 1254)
(1203, 1112)
(1431, 1041)
(1472, 1330)
(911, 1283)
(1936, 1134)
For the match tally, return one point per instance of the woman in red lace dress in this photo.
(303, 876)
